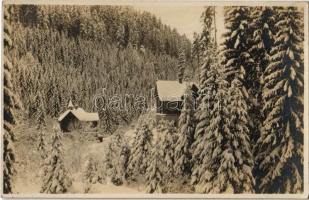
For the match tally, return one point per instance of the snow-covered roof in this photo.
(171, 90)
(80, 114)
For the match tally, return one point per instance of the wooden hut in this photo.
(169, 98)
(77, 118)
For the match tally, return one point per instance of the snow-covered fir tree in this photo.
(106, 115)
(55, 177)
(9, 103)
(207, 147)
(236, 58)
(89, 174)
(207, 72)
(40, 126)
(40, 115)
(236, 44)
(221, 163)
(263, 25)
(236, 161)
(186, 126)
(116, 159)
(196, 48)
(207, 92)
(140, 151)
(238, 147)
(224, 153)
(154, 176)
(41, 144)
(55, 100)
(8, 158)
(262, 39)
(207, 36)
(280, 147)
(181, 62)
(261, 42)
(166, 146)
(203, 117)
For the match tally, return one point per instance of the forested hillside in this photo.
(243, 133)
(58, 48)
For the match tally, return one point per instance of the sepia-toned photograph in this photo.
(151, 99)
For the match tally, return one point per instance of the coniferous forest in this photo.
(243, 132)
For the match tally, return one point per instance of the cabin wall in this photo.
(172, 107)
(169, 107)
(89, 125)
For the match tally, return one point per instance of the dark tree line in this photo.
(112, 24)
(56, 53)
(73, 52)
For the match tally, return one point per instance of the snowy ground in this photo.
(107, 188)
(76, 150)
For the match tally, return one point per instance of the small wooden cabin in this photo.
(77, 118)
(169, 98)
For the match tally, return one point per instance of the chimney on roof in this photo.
(70, 106)
(76, 106)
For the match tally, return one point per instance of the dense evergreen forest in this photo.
(117, 48)
(245, 136)
(252, 123)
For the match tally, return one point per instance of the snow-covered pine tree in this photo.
(236, 44)
(217, 140)
(8, 158)
(262, 22)
(186, 126)
(140, 151)
(237, 152)
(207, 148)
(262, 39)
(40, 115)
(40, 127)
(224, 152)
(154, 174)
(239, 65)
(89, 174)
(109, 159)
(116, 159)
(55, 176)
(41, 145)
(106, 115)
(203, 116)
(280, 147)
(196, 48)
(263, 25)
(9, 103)
(55, 100)
(207, 72)
(207, 37)
(122, 36)
(207, 92)
(181, 62)
(166, 147)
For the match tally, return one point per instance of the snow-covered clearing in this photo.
(77, 148)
